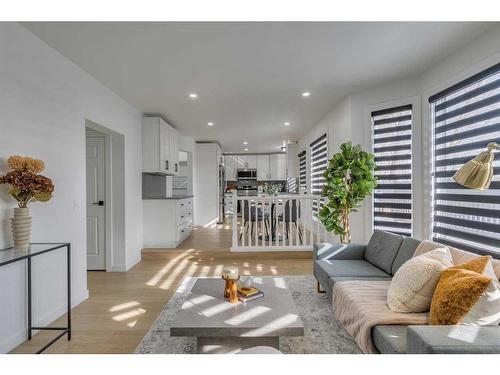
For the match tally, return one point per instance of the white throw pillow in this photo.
(413, 285)
(486, 311)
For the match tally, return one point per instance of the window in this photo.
(392, 203)
(302, 170)
(465, 118)
(319, 162)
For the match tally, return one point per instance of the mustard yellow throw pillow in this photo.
(467, 294)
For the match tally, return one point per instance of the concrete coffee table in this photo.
(223, 327)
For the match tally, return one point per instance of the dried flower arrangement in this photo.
(26, 184)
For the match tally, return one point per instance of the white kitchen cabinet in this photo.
(269, 166)
(292, 163)
(263, 172)
(230, 166)
(174, 150)
(277, 166)
(239, 162)
(167, 222)
(247, 161)
(159, 147)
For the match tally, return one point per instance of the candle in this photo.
(230, 273)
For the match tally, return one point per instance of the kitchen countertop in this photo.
(172, 197)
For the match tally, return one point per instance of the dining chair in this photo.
(252, 215)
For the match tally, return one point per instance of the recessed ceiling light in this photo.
(306, 94)
(193, 95)
(245, 142)
(210, 124)
(246, 149)
(287, 124)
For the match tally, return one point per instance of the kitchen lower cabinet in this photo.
(167, 222)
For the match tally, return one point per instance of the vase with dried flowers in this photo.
(27, 186)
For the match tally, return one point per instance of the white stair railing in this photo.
(284, 222)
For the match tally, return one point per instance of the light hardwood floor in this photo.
(122, 306)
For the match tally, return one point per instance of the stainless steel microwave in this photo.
(246, 174)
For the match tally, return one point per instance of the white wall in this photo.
(337, 125)
(45, 100)
(355, 126)
(206, 183)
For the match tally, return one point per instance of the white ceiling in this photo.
(249, 76)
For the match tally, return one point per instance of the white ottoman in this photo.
(260, 350)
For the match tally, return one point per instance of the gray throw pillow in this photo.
(382, 249)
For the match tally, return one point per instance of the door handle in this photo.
(99, 203)
(166, 165)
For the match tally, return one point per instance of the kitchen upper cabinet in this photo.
(269, 166)
(277, 166)
(263, 172)
(230, 166)
(247, 161)
(174, 150)
(292, 164)
(159, 147)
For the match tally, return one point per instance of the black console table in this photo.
(11, 255)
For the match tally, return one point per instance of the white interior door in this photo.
(96, 192)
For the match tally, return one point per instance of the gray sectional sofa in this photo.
(379, 260)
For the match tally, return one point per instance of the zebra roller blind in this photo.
(319, 160)
(465, 118)
(392, 203)
(302, 170)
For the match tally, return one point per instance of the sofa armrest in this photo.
(459, 339)
(328, 251)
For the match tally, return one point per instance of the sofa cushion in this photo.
(382, 249)
(459, 256)
(324, 269)
(412, 287)
(467, 294)
(425, 339)
(350, 268)
(406, 251)
(338, 251)
(337, 279)
(390, 339)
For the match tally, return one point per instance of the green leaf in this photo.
(349, 180)
(42, 197)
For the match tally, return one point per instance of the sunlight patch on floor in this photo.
(124, 306)
(161, 273)
(129, 314)
(175, 273)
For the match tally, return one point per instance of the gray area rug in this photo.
(323, 333)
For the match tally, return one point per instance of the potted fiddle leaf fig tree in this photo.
(349, 180)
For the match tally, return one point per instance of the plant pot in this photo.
(21, 228)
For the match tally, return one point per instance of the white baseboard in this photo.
(119, 268)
